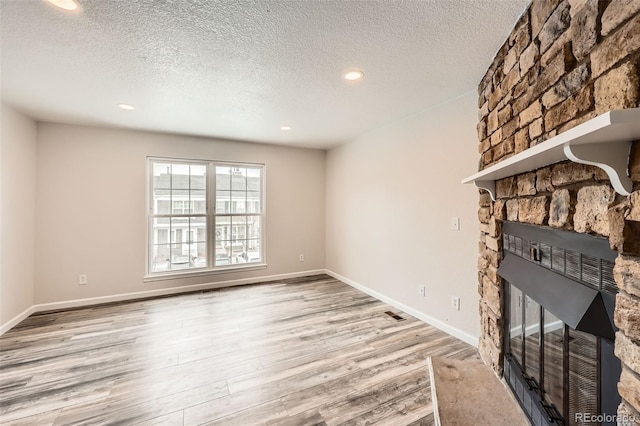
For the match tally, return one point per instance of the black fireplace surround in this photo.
(559, 330)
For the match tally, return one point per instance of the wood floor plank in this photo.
(397, 412)
(130, 410)
(261, 414)
(367, 399)
(311, 418)
(172, 419)
(307, 351)
(43, 419)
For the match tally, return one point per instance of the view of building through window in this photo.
(238, 215)
(184, 208)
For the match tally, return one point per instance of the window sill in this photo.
(176, 275)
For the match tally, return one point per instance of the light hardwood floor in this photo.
(298, 352)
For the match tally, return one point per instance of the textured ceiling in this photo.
(242, 69)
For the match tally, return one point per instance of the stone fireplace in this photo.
(564, 63)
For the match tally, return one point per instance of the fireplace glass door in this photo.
(560, 364)
(553, 367)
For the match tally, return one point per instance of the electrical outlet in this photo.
(422, 290)
(301, 257)
(82, 279)
(455, 223)
(455, 302)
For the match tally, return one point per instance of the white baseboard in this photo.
(76, 303)
(15, 320)
(465, 337)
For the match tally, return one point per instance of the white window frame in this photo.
(211, 267)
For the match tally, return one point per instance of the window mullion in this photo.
(211, 210)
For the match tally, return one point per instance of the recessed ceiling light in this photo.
(64, 4)
(285, 128)
(127, 107)
(354, 75)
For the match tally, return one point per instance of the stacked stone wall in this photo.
(565, 62)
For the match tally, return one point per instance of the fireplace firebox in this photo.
(559, 329)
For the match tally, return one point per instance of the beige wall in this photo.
(17, 217)
(390, 196)
(91, 208)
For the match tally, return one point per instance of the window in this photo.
(238, 229)
(204, 215)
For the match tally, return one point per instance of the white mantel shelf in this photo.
(603, 141)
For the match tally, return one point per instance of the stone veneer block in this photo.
(533, 210)
(618, 89)
(617, 12)
(484, 146)
(568, 86)
(522, 140)
(558, 67)
(627, 275)
(627, 315)
(536, 128)
(496, 137)
(634, 207)
(490, 354)
(512, 210)
(540, 11)
(528, 58)
(629, 389)
(506, 188)
(483, 264)
(625, 234)
(569, 173)
(584, 29)
(510, 60)
(492, 274)
(627, 351)
(520, 37)
(492, 257)
(577, 121)
(557, 23)
(484, 110)
(627, 416)
(504, 115)
(492, 294)
(495, 97)
(561, 45)
(625, 237)
(494, 228)
(592, 209)
(493, 243)
(615, 47)
(576, 5)
(484, 199)
(531, 113)
(482, 130)
(484, 213)
(510, 127)
(561, 210)
(543, 180)
(499, 210)
(569, 109)
(492, 122)
(527, 184)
